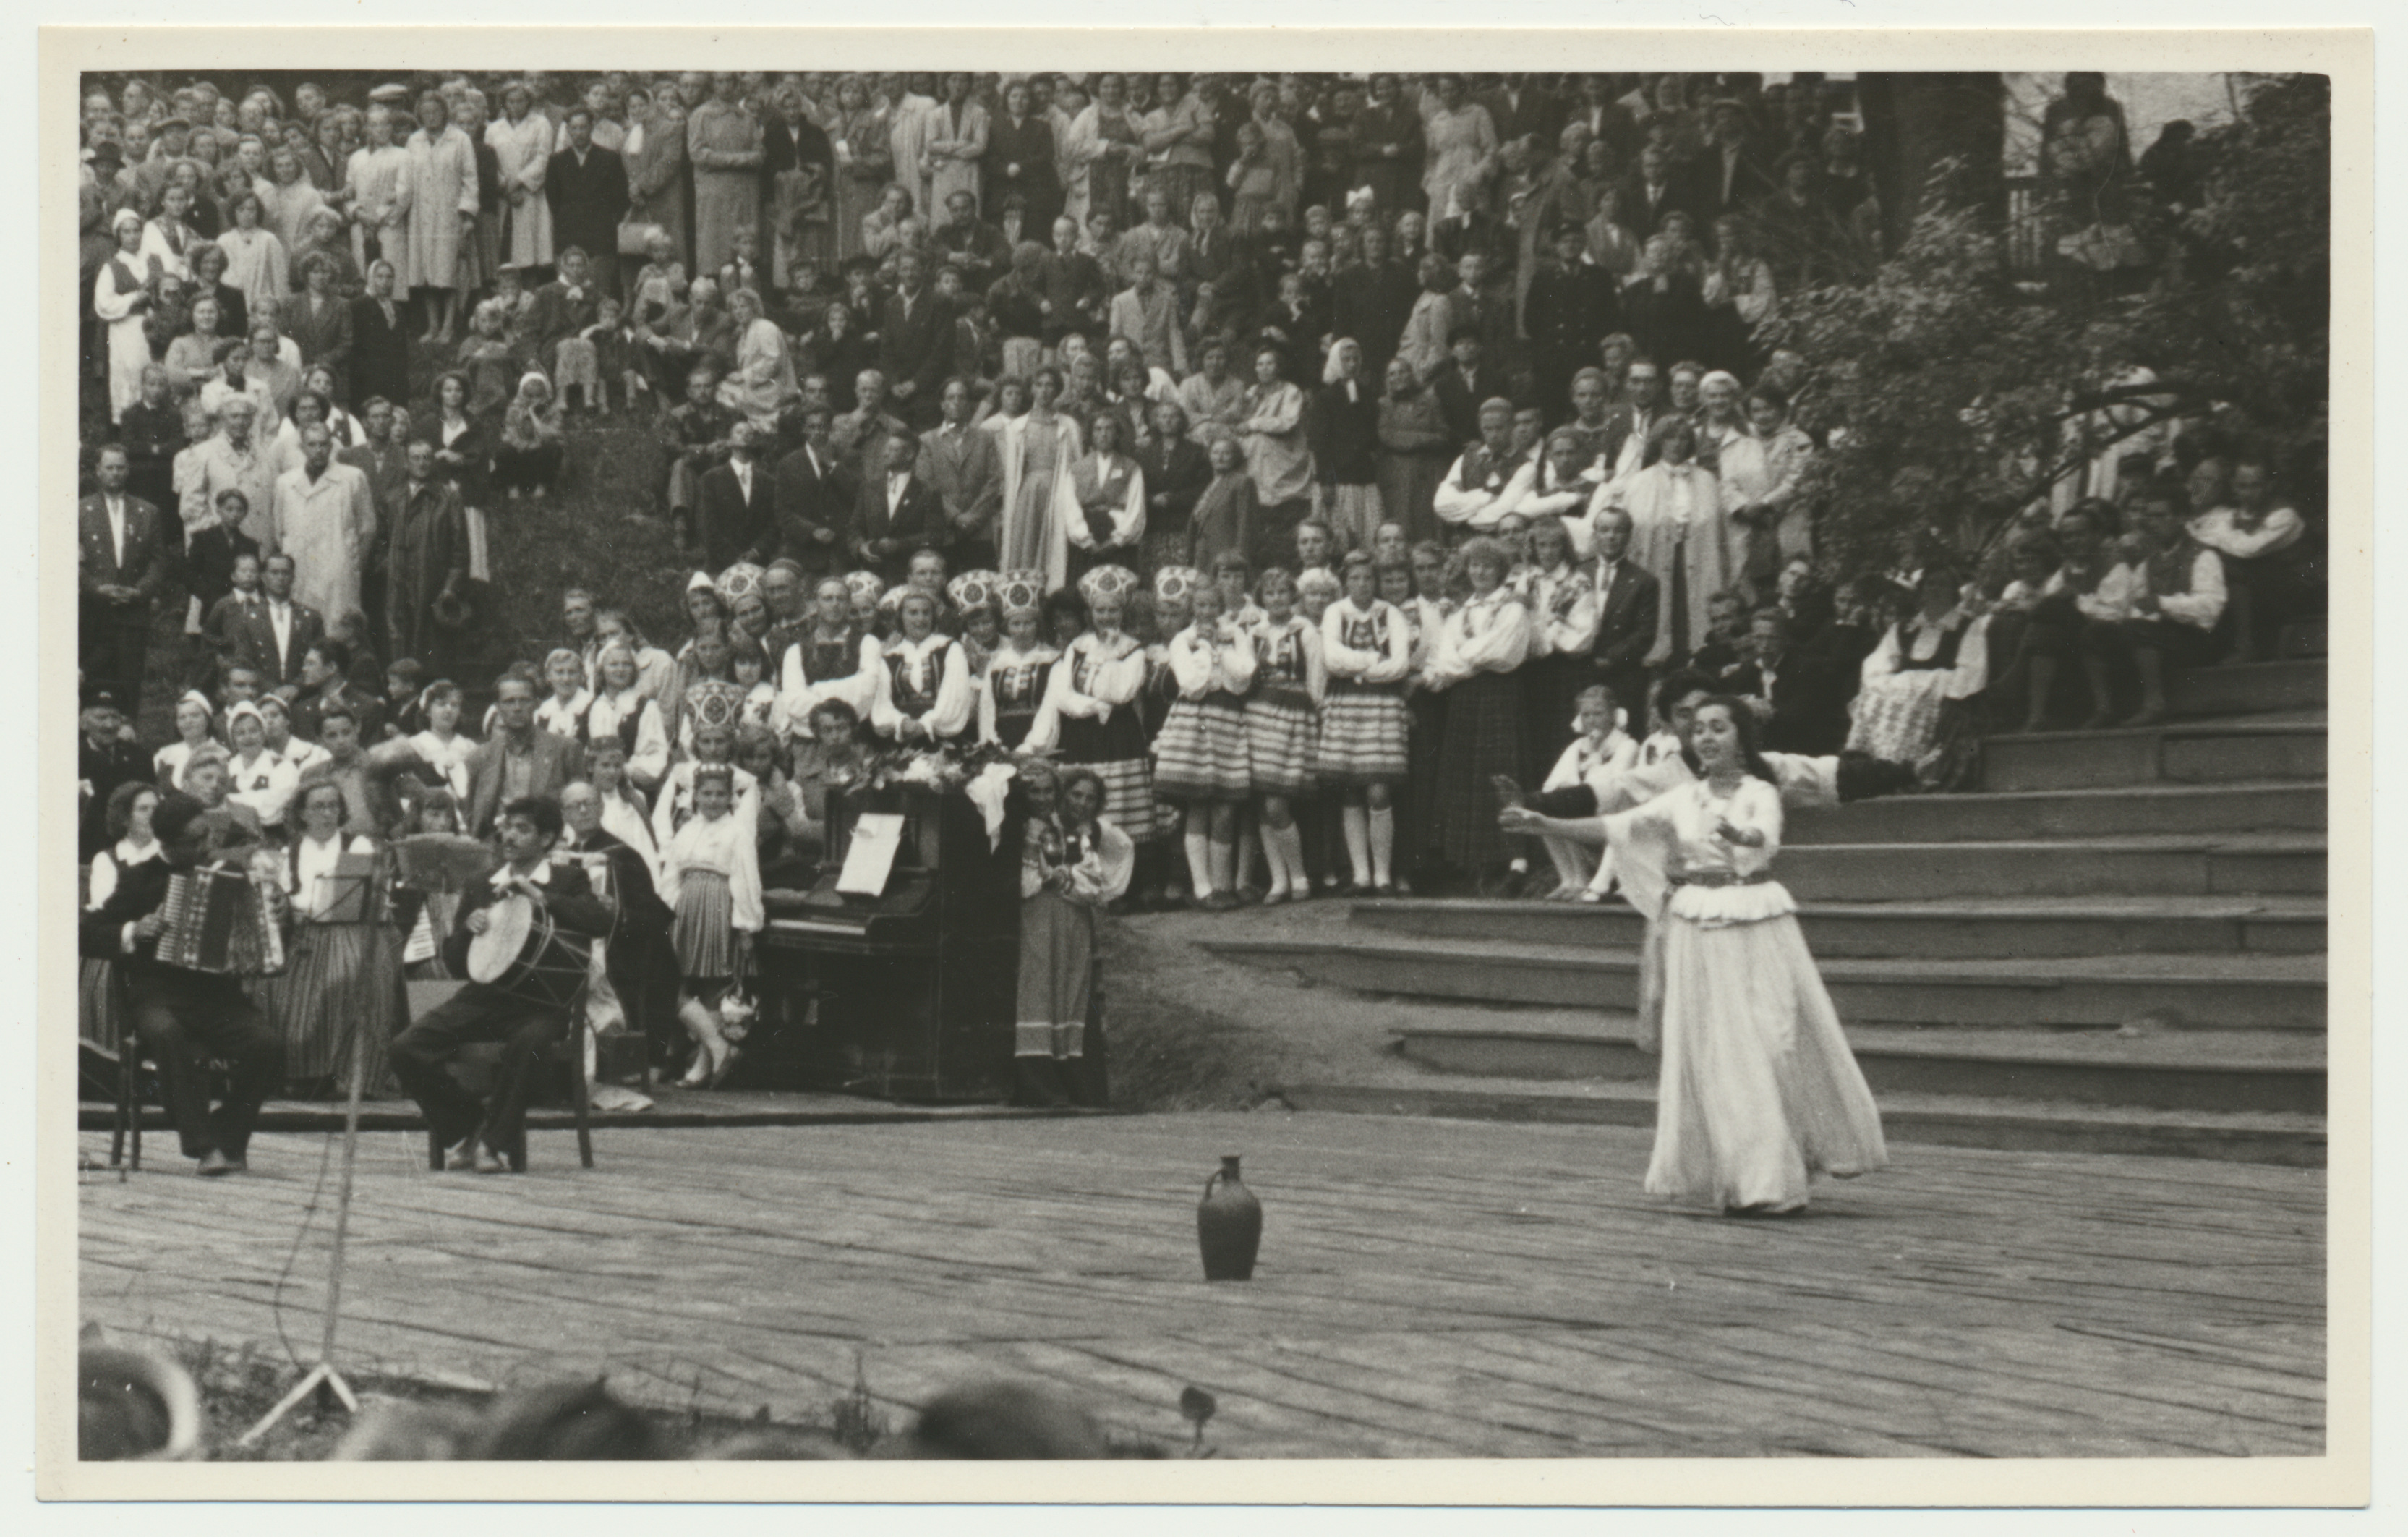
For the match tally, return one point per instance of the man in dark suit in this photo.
(1626, 599)
(1728, 174)
(1627, 425)
(519, 759)
(104, 761)
(1463, 383)
(477, 1136)
(964, 467)
(379, 457)
(184, 1018)
(1651, 191)
(587, 188)
(1790, 691)
(897, 514)
(1071, 289)
(915, 343)
(273, 641)
(814, 497)
(1571, 308)
(739, 521)
(1519, 110)
(120, 565)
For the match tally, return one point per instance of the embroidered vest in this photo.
(1943, 657)
(916, 683)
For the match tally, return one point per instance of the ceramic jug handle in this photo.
(1210, 1181)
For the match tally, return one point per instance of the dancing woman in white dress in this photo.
(1758, 1092)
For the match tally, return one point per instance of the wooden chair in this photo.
(479, 1064)
(125, 1135)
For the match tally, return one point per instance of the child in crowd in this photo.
(1012, 689)
(529, 459)
(1598, 755)
(712, 880)
(1223, 525)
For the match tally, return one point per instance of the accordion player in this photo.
(182, 969)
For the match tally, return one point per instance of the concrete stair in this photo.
(2117, 945)
(1970, 929)
(2232, 992)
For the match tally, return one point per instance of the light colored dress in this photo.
(726, 198)
(256, 267)
(442, 187)
(113, 296)
(763, 378)
(1039, 498)
(382, 189)
(1758, 1091)
(1460, 155)
(524, 150)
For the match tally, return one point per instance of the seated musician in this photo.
(475, 1138)
(186, 1018)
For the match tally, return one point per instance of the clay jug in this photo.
(1228, 1225)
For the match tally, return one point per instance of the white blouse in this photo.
(1489, 634)
(266, 785)
(932, 666)
(722, 845)
(311, 859)
(448, 759)
(1390, 664)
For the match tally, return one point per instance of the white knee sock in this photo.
(1358, 843)
(1291, 853)
(1383, 844)
(1199, 861)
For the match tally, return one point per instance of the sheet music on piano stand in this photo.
(351, 892)
(877, 837)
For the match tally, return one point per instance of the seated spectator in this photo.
(1914, 701)
(2173, 596)
(2259, 537)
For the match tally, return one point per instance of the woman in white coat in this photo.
(521, 141)
(381, 188)
(442, 213)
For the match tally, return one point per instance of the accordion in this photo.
(216, 920)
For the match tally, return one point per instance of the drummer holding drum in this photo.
(523, 936)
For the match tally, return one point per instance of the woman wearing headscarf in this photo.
(521, 139)
(442, 214)
(121, 295)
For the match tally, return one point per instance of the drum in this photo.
(522, 953)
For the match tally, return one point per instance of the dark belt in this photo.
(1719, 878)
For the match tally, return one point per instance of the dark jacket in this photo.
(1806, 716)
(587, 200)
(919, 520)
(733, 527)
(809, 499)
(254, 643)
(144, 567)
(915, 344)
(1371, 303)
(1176, 474)
(568, 897)
(1346, 434)
(101, 935)
(379, 355)
(558, 760)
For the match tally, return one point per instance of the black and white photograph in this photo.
(1312, 759)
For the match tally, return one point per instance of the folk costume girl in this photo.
(563, 715)
(1201, 757)
(1282, 726)
(1011, 692)
(711, 881)
(193, 713)
(624, 710)
(924, 697)
(1476, 664)
(1601, 753)
(1367, 650)
(257, 775)
(100, 1014)
(1562, 600)
(1093, 693)
(1073, 861)
(441, 747)
(713, 746)
(340, 990)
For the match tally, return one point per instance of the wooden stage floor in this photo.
(1427, 1287)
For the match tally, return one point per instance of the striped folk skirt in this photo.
(1201, 754)
(1485, 738)
(1364, 735)
(100, 1006)
(1281, 734)
(1115, 748)
(1058, 968)
(704, 932)
(341, 983)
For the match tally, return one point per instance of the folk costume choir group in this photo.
(1286, 474)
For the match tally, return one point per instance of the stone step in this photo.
(1952, 1121)
(2253, 688)
(2255, 748)
(2256, 1071)
(1964, 929)
(2200, 991)
(2268, 806)
(2184, 865)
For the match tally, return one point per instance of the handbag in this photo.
(636, 239)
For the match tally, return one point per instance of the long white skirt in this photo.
(1759, 1092)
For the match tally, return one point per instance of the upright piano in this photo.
(910, 993)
